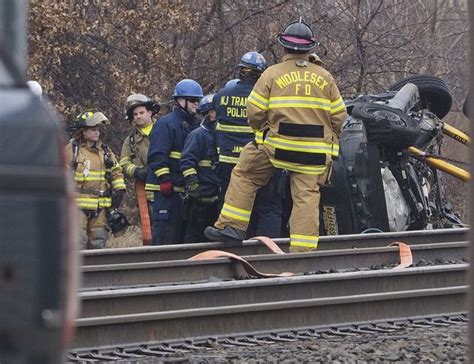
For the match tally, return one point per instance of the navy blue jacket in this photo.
(166, 143)
(232, 127)
(199, 157)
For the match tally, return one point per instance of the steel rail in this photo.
(185, 271)
(166, 298)
(252, 247)
(116, 330)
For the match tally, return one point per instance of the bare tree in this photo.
(89, 53)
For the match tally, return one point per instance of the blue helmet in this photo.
(206, 104)
(232, 82)
(187, 88)
(254, 61)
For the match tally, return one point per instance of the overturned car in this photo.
(388, 174)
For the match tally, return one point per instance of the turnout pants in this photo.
(93, 225)
(253, 171)
(266, 216)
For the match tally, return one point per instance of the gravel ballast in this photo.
(446, 344)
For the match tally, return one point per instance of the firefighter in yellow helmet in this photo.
(301, 104)
(99, 180)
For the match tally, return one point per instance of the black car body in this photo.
(376, 185)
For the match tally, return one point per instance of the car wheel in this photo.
(434, 93)
(387, 125)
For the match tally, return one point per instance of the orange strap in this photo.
(406, 258)
(269, 243)
(144, 215)
(249, 269)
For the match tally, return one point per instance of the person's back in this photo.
(234, 133)
(302, 106)
(299, 101)
(231, 112)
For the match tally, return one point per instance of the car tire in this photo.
(435, 94)
(386, 125)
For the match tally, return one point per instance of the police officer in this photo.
(198, 164)
(139, 110)
(98, 177)
(303, 107)
(164, 175)
(232, 82)
(234, 133)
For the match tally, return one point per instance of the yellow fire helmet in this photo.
(88, 119)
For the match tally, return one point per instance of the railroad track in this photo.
(252, 247)
(205, 295)
(149, 306)
(185, 271)
(264, 306)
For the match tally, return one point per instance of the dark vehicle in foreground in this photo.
(38, 253)
(388, 176)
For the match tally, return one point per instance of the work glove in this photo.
(192, 189)
(117, 197)
(140, 174)
(166, 188)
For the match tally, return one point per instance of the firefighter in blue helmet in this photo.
(164, 175)
(198, 164)
(234, 133)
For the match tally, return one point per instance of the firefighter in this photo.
(234, 133)
(139, 110)
(99, 180)
(303, 107)
(198, 164)
(164, 175)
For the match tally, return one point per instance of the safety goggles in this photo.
(193, 100)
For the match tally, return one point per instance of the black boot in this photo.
(229, 235)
